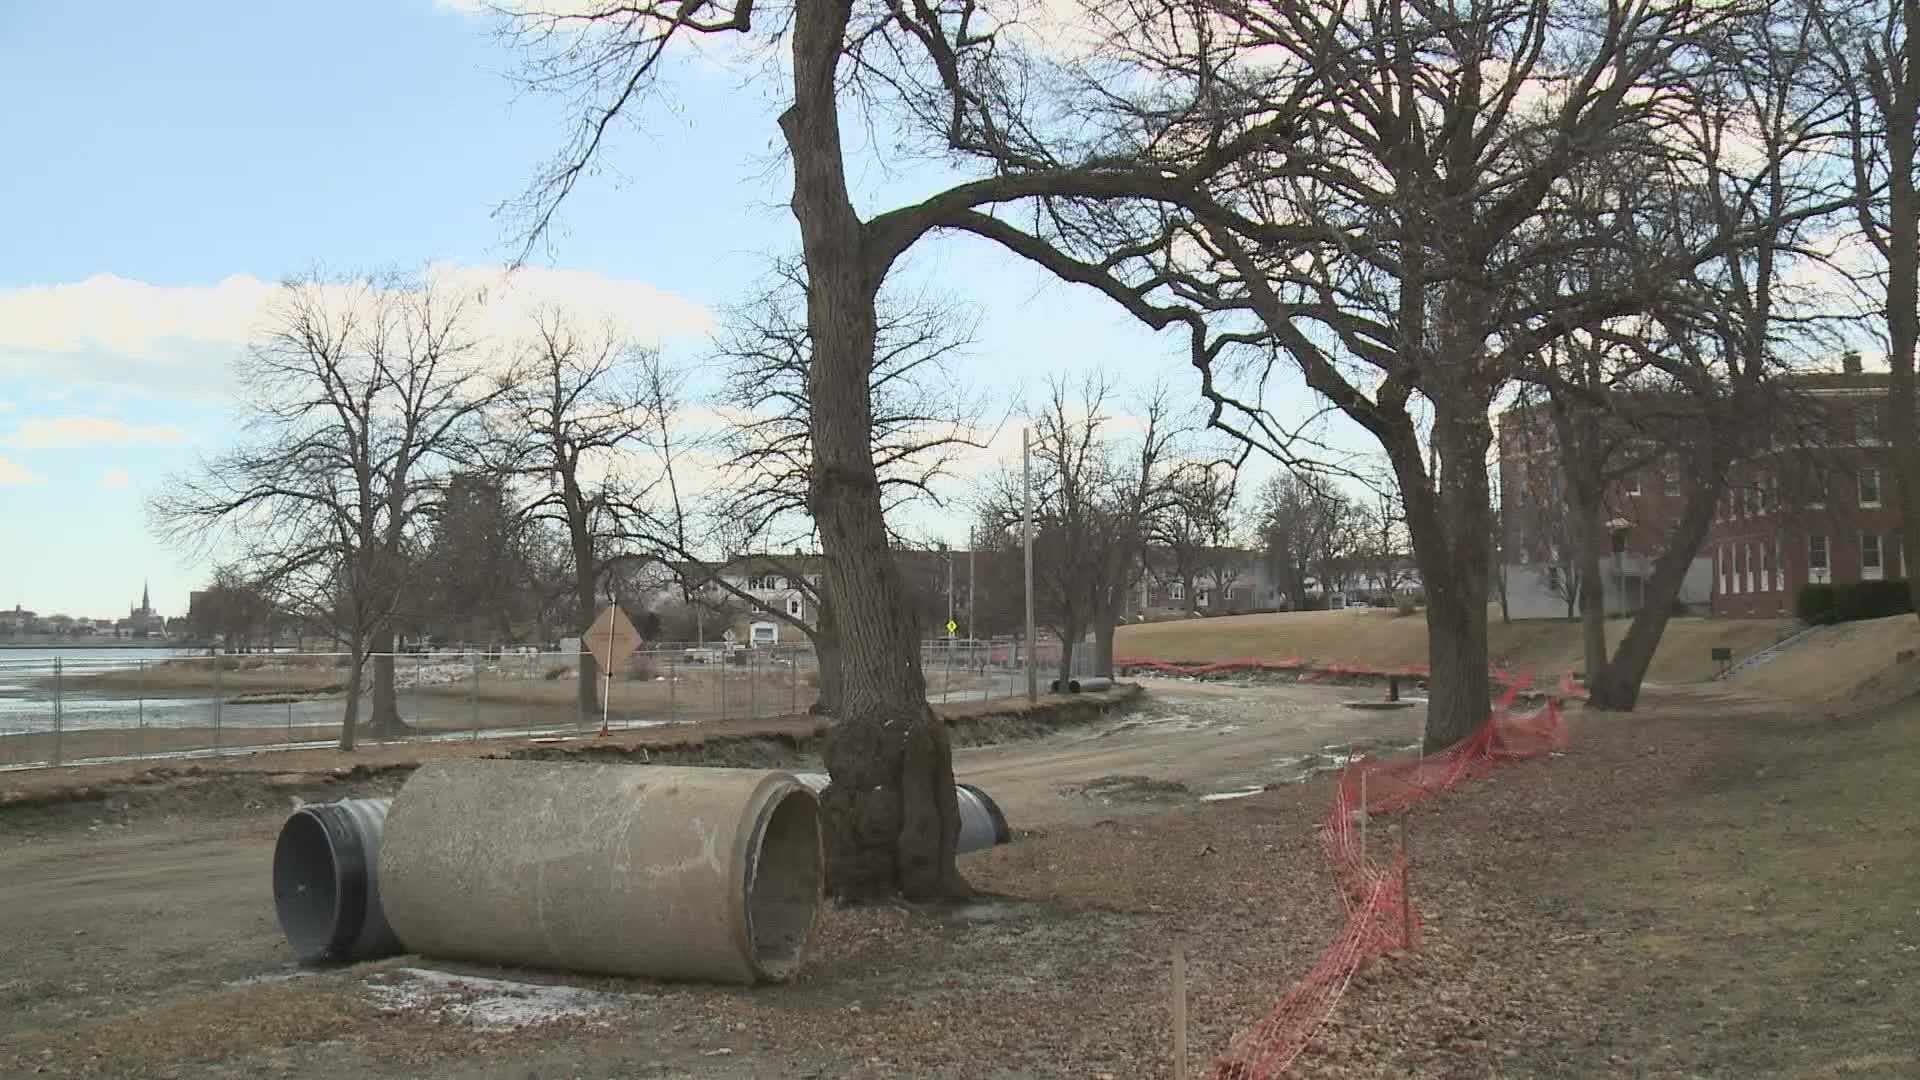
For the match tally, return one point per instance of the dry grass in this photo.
(1385, 639)
(1690, 892)
(1842, 664)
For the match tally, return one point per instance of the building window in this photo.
(1766, 579)
(1725, 569)
(1203, 596)
(794, 606)
(1818, 572)
(1870, 565)
(1746, 563)
(1817, 489)
(1779, 568)
(762, 583)
(1867, 429)
(1176, 591)
(1633, 484)
(1765, 487)
(1619, 541)
(1869, 487)
(1815, 428)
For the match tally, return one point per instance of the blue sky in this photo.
(169, 161)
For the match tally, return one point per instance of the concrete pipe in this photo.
(657, 871)
(326, 884)
(982, 825)
(1089, 685)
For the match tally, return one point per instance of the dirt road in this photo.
(120, 909)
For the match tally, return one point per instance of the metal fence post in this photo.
(753, 684)
(673, 677)
(140, 704)
(59, 703)
(219, 703)
(473, 699)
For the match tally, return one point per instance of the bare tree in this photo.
(585, 426)
(1385, 244)
(360, 395)
(1692, 383)
(1185, 542)
(921, 418)
(1871, 49)
(1095, 500)
(1304, 524)
(957, 78)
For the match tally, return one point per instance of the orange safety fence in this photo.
(1374, 888)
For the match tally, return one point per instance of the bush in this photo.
(1820, 604)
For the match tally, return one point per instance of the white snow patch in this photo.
(487, 1004)
(1223, 796)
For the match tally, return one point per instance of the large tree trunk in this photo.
(1903, 297)
(1579, 435)
(1452, 526)
(891, 818)
(349, 721)
(1069, 637)
(1618, 686)
(385, 722)
(1103, 629)
(587, 683)
(827, 666)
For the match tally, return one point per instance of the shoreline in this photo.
(108, 643)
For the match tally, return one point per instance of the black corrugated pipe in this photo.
(326, 887)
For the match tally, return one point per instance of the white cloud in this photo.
(114, 479)
(181, 340)
(67, 432)
(12, 472)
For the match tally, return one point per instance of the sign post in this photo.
(611, 639)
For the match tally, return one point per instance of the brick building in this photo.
(1819, 506)
(1537, 561)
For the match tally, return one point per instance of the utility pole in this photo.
(973, 541)
(1026, 537)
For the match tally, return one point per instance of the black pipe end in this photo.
(320, 883)
(1002, 832)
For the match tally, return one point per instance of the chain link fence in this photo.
(90, 709)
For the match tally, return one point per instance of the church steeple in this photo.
(146, 600)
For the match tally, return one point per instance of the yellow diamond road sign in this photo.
(952, 627)
(611, 639)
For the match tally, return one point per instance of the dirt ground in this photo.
(1715, 886)
(1386, 639)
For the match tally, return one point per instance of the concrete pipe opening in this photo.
(784, 884)
(325, 882)
(1089, 685)
(664, 872)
